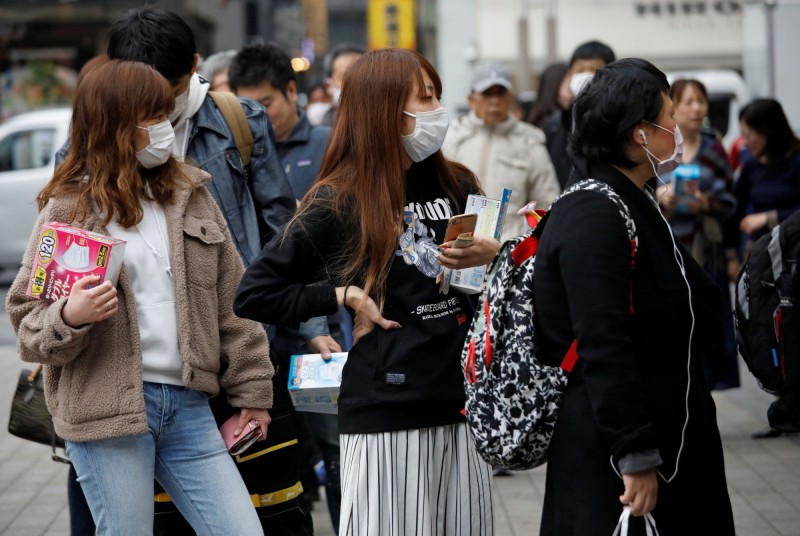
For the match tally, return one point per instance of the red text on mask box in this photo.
(64, 254)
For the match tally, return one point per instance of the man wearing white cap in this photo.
(500, 149)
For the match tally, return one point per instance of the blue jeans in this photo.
(184, 452)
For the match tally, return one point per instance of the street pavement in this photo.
(763, 475)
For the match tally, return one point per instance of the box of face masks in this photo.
(65, 254)
(314, 383)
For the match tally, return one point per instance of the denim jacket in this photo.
(256, 205)
(257, 202)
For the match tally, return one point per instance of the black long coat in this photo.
(635, 378)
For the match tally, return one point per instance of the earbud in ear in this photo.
(644, 136)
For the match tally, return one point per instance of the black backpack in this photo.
(768, 322)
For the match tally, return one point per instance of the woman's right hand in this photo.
(641, 491)
(85, 305)
(368, 314)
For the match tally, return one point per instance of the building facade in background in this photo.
(43, 43)
(673, 34)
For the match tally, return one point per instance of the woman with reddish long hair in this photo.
(369, 235)
(130, 365)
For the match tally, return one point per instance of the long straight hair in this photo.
(101, 165)
(766, 117)
(363, 173)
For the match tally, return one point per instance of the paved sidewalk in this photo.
(763, 476)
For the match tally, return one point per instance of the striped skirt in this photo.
(427, 482)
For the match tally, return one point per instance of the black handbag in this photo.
(30, 418)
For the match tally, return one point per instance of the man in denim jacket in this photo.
(256, 202)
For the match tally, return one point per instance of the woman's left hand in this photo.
(261, 416)
(481, 251)
(641, 491)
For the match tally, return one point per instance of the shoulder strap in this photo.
(234, 116)
(592, 185)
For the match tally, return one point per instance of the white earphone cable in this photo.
(681, 266)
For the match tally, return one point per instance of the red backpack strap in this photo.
(571, 357)
(525, 250)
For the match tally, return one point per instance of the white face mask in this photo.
(669, 164)
(336, 93)
(428, 135)
(160, 148)
(578, 81)
(76, 257)
(181, 102)
(316, 112)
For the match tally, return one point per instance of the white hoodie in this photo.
(148, 267)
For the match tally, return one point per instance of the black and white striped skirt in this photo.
(427, 482)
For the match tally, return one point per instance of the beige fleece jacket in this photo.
(93, 373)
(512, 155)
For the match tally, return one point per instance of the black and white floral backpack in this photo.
(513, 399)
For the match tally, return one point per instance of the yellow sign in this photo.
(48, 243)
(39, 277)
(391, 24)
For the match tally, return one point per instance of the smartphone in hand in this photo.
(462, 224)
(238, 444)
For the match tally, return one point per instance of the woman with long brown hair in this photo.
(368, 235)
(129, 369)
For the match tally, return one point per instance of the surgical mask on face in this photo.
(316, 112)
(578, 81)
(160, 148)
(336, 93)
(181, 102)
(428, 135)
(661, 167)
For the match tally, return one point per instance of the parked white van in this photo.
(28, 143)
